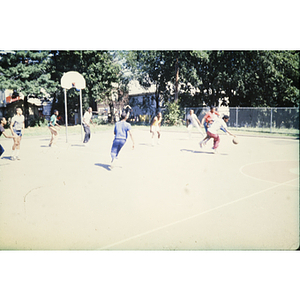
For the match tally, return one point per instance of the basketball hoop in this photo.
(70, 80)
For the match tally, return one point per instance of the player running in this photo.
(87, 119)
(155, 127)
(16, 128)
(207, 120)
(193, 121)
(53, 130)
(121, 130)
(212, 131)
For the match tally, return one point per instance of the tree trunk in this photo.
(176, 80)
(26, 111)
(112, 112)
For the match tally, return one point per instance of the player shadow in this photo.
(198, 151)
(78, 145)
(6, 157)
(105, 166)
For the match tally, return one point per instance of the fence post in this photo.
(271, 120)
(236, 116)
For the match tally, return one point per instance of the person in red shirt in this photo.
(207, 120)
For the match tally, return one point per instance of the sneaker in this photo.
(215, 151)
(18, 158)
(13, 158)
(112, 164)
(201, 144)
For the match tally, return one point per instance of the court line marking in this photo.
(193, 216)
(265, 161)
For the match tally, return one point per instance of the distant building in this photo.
(37, 108)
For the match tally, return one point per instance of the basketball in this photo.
(235, 141)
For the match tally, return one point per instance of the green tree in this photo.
(100, 70)
(253, 78)
(26, 72)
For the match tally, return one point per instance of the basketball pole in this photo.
(66, 114)
(80, 98)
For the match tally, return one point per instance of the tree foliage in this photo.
(245, 78)
(29, 71)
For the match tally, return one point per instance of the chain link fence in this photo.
(264, 119)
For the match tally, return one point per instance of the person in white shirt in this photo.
(213, 129)
(87, 119)
(193, 121)
(16, 128)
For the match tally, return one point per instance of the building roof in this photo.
(136, 89)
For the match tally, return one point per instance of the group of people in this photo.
(211, 122)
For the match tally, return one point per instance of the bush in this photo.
(173, 114)
(39, 121)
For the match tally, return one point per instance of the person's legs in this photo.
(154, 130)
(16, 145)
(216, 139)
(54, 135)
(116, 147)
(190, 127)
(87, 131)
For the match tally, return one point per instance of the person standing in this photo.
(3, 122)
(121, 130)
(87, 119)
(155, 127)
(192, 121)
(212, 131)
(54, 133)
(16, 128)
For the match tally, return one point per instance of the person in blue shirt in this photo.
(121, 130)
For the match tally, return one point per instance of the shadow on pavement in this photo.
(105, 166)
(205, 152)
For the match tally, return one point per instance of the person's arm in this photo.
(7, 136)
(152, 124)
(11, 128)
(225, 128)
(92, 122)
(56, 123)
(187, 122)
(131, 138)
(23, 126)
(159, 122)
(202, 121)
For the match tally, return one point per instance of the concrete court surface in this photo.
(172, 196)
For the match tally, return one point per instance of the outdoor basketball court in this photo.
(172, 196)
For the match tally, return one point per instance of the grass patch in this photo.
(40, 131)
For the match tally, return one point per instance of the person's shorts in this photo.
(18, 132)
(155, 129)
